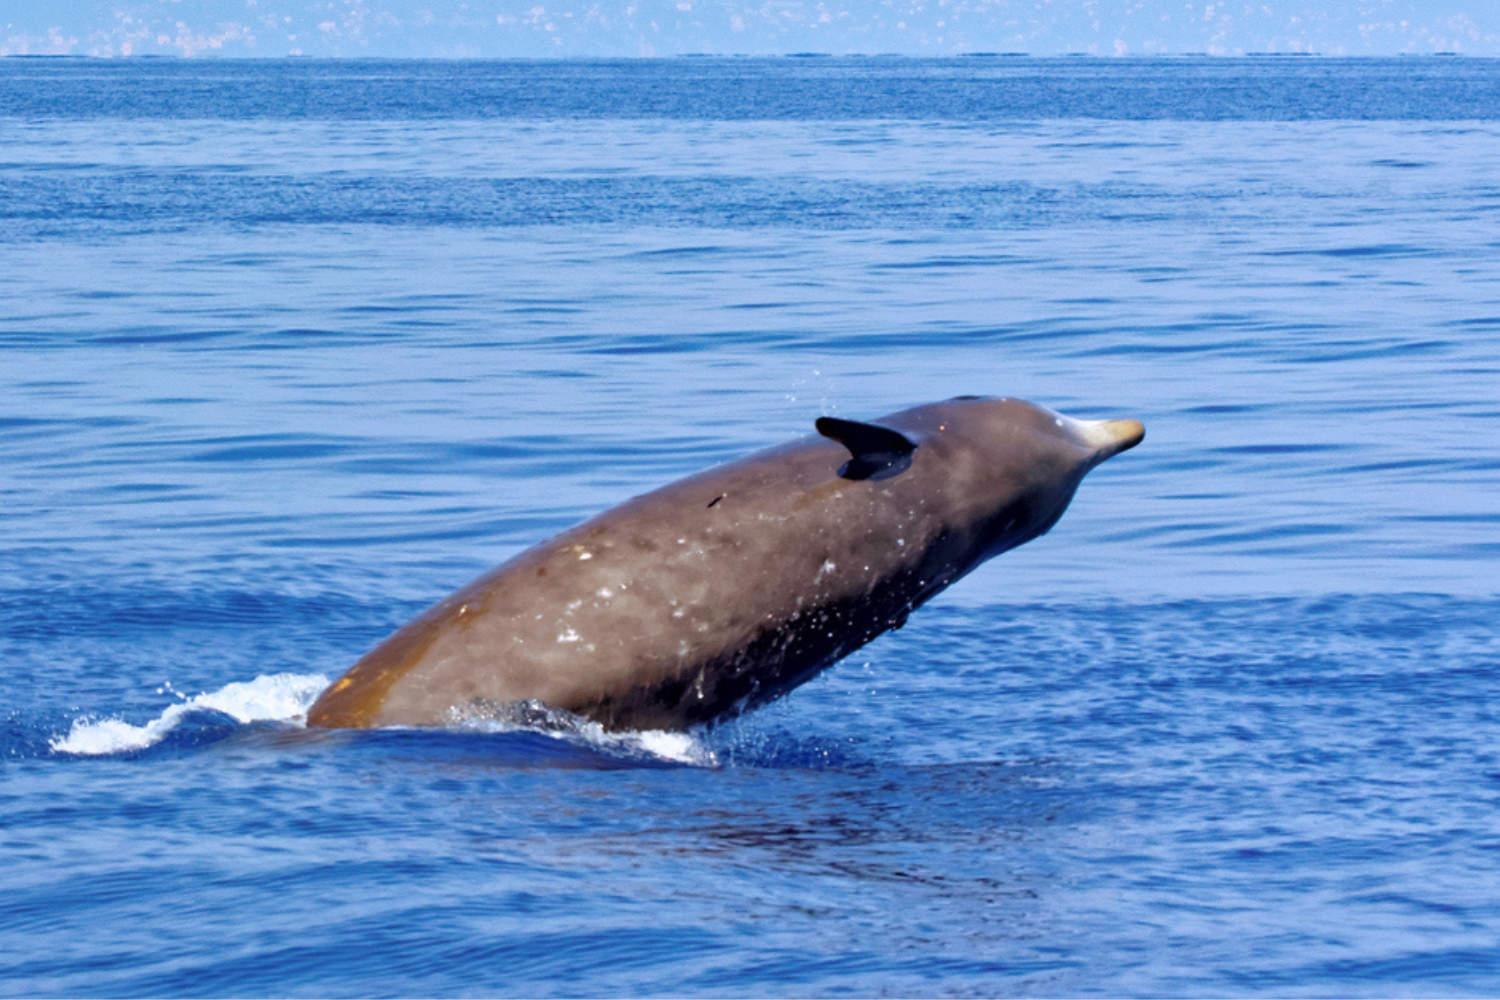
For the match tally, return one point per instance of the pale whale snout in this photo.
(1110, 437)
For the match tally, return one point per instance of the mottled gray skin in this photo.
(722, 591)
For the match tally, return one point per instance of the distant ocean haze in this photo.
(621, 29)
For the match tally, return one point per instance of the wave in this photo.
(285, 698)
(271, 698)
(534, 717)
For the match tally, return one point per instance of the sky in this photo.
(593, 28)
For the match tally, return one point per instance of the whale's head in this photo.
(1018, 463)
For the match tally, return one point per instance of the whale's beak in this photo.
(1110, 437)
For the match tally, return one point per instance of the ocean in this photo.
(289, 350)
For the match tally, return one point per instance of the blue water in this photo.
(289, 350)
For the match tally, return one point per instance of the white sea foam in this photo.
(679, 748)
(287, 697)
(683, 748)
(275, 697)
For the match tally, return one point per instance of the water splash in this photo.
(271, 698)
(286, 698)
(532, 716)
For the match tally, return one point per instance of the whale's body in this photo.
(722, 591)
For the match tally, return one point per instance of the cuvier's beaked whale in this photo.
(725, 590)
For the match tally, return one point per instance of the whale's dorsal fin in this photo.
(878, 452)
